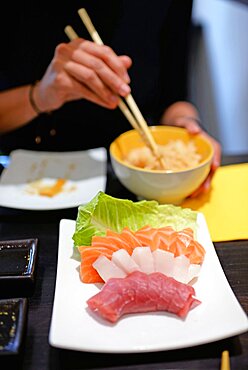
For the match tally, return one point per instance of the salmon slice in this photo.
(105, 242)
(147, 236)
(176, 242)
(131, 238)
(89, 275)
(164, 238)
(195, 252)
(120, 240)
(89, 255)
(186, 235)
(166, 230)
(155, 238)
(177, 246)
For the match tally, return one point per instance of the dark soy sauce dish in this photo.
(13, 313)
(17, 267)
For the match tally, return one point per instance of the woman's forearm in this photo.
(15, 108)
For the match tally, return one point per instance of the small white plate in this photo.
(85, 172)
(72, 327)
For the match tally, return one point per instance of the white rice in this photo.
(177, 155)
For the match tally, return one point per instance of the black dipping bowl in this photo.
(17, 267)
(13, 314)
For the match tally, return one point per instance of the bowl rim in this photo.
(169, 172)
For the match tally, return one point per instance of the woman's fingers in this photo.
(189, 123)
(82, 91)
(206, 185)
(58, 86)
(102, 61)
(104, 53)
(126, 61)
(184, 114)
(217, 151)
(193, 127)
(97, 67)
(89, 69)
(90, 79)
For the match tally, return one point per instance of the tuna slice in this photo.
(140, 292)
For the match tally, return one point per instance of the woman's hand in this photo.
(184, 114)
(82, 69)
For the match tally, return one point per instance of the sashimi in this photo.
(122, 242)
(108, 242)
(146, 293)
(124, 261)
(186, 235)
(88, 256)
(108, 269)
(147, 236)
(144, 260)
(165, 238)
(194, 271)
(130, 237)
(181, 268)
(163, 262)
(195, 252)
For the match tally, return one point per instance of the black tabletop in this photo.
(37, 354)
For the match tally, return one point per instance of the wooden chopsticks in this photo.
(225, 361)
(134, 116)
(72, 35)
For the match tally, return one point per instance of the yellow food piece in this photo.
(50, 191)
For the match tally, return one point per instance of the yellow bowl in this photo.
(163, 186)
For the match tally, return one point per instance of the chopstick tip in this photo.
(225, 361)
(82, 11)
(71, 34)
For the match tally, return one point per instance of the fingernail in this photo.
(124, 89)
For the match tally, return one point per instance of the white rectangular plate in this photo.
(84, 170)
(72, 327)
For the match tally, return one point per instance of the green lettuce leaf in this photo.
(106, 212)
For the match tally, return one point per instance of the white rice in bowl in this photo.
(177, 156)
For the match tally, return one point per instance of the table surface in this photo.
(37, 354)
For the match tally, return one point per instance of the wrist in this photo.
(34, 101)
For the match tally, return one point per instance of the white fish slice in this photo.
(144, 259)
(163, 262)
(194, 271)
(124, 261)
(107, 269)
(177, 267)
(181, 268)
